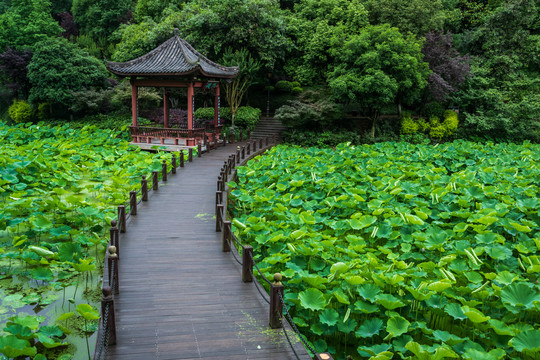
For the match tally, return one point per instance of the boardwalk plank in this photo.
(180, 296)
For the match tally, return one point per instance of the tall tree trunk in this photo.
(374, 118)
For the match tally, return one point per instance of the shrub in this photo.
(205, 113)
(433, 127)
(433, 108)
(44, 111)
(296, 90)
(247, 117)
(295, 84)
(408, 124)
(307, 113)
(21, 111)
(284, 86)
(450, 122)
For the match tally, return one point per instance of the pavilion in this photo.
(175, 63)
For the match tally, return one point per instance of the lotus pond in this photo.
(401, 251)
(59, 188)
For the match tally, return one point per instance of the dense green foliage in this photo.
(397, 250)
(246, 116)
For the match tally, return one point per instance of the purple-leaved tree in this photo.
(449, 68)
(13, 64)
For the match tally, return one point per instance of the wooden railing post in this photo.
(114, 238)
(248, 150)
(108, 325)
(233, 161)
(225, 246)
(144, 188)
(323, 356)
(164, 170)
(181, 158)
(226, 171)
(219, 188)
(155, 185)
(173, 164)
(219, 216)
(199, 150)
(122, 218)
(241, 135)
(248, 134)
(113, 268)
(254, 145)
(133, 202)
(260, 143)
(238, 154)
(276, 307)
(267, 140)
(247, 263)
(243, 152)
(232, 138)
(190, 155)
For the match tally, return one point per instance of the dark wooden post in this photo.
(181, 158)
(199, 150)
(243, 152)
(173, 164)
(122, 218)
(225, 246)
(155, 180)
(238, 154)
(113, 268)
(144, 188)
(323, 356)
(248, 134)
(190, 155)
(164, 170)
(247, 263)
(260, 143)
(267, 140)
(219, 188)
(133, 202)
(276, 306)
(233, 162)
(241, 135)
(248, 150)
(108, 324)
(226, 171)
(114, 238)
(254, 145)
(232, 137)
(219, 212)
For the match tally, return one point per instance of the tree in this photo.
(26, 23)
(66, 21)
(449, 69)
(235, 89)
(13, 65)
(99, 18)
(317, 26)
(415, 16)
(58, 68)
(212, 26)
(378, 67)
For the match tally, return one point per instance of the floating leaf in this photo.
(13, 347)
(329, 317)
(312, 299)
(519, 295)
(396, 326)
(370, 328)
(526, 341)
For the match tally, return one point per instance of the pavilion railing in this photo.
(173, 133)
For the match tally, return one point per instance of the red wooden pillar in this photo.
(134, 95)
(190, 107)
(165, 109)
(217, 105)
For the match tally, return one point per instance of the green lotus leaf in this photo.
(501, 328)
(396, 326)
(87, 312)
(373, 350)
(369, 292)
(474, 354)
(15, 301)
(506, 277)
(370, 328)
(422, 352)
(413, 219)
(387, 355)
(476, 316)
(51, 331)
(320, 345)
(329, 317)
(48, 342)
(362, 222)
(41, 251)
(347, 326)
(22, 332)
(390, 302)
(519, 295)
(41, 222)
(41, 273)
(307, 218)
(29, 321)
(440, 286)
(13, 347)
(341, 297)
(365, 307)
(446, 337)
(312, 299)
(314, 280)
(520, 227)
(526, 341)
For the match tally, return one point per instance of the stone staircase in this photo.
(267, 126)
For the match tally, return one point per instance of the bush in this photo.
(296, 90)
(284, 86)
(326, 138)
(44, 111)
(433, 108)
(308, 113)
(247, 117)
(205, 113)
(88, 102)
(408, 124)
(433, 127)
(21, 111)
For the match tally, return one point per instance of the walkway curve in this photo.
(180, 296)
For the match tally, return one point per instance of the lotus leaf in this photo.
(370, 328)
(329, 317)
(396, 326)
(526, 341)
(519, 295)
(474, 315)
(312, 299)
(13, 347)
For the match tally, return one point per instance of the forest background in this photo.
(349, 68)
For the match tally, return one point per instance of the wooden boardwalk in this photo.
(180, 296)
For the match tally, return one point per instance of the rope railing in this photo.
(107, 326)
(275, 298)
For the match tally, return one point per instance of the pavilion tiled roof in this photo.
(174, 57)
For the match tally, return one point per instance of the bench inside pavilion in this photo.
(173, 64)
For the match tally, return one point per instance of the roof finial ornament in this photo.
(175, 31)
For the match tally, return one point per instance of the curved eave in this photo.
(124, 74)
